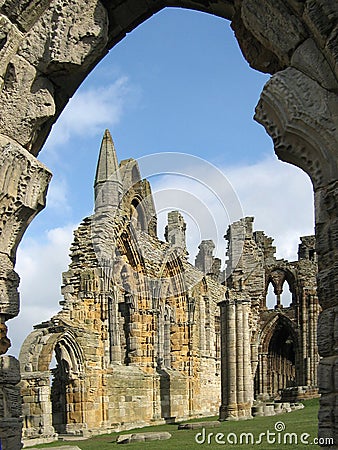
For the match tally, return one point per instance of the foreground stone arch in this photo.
(50, 404)
(48, 47)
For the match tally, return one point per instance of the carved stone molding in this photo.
(24, 182)
(300, 117)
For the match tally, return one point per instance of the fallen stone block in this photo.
(142, 437)
(196, 425)
(64, 447)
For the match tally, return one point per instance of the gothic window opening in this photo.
(137, 215)
(278, 294)
(286, 297)
(135, 175)
(164, 344)
(270, 297)
(66, 394)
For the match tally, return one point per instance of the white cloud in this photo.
(57, 197)
(280, 197)
(91, 110)
(40, 263)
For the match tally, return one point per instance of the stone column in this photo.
(263, 374)
(236, 377)
(114, 329)
(23, 185)
(326, 202)
(10, 403)
(247, 373)
(304, 366)
(299, 111)
(228, 408)
(278, 300)
(239, 358)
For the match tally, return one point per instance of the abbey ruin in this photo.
(48, 47)
(145, 337)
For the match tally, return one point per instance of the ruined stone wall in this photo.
(276, 347)
(133, 373)
(128, 342)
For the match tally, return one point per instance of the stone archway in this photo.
(54, 401)
(279, 359)
(48, 47)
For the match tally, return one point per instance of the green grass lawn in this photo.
(299, 422)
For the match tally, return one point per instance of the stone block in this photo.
(143, 437)
(86, 25)
(11, 37)
(269, 410)
(64, 447)
(308, 59)
(197, 425)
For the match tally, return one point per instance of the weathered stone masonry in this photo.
(48, 47)
(145, 337)
(138, 339)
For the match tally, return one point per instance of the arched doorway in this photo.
(67, 387)
(60, 380)
(61, 403)
(282, 361)
(278, 364)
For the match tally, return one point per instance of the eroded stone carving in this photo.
(297, 113)
(26, 102)
(24, 183)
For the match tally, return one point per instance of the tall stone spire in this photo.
(108, 184)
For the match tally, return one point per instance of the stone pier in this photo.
(237, 384)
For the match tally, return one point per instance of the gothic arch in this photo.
(137, 214)
(60, 404)
(258, 29)
(269, 329)
(278, 364)
(295, 41)
(37, 351)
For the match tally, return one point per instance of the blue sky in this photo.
(178, 83)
